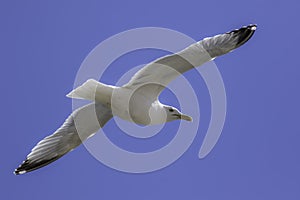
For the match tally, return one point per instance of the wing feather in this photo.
(81, 124)
(162, 71)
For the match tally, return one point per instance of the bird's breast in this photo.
(132, 107)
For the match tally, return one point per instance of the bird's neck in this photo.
(157, 113)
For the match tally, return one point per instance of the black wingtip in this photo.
(18, 172)
(251, 27)
(28, 166)
(244, 34)
(21, 168)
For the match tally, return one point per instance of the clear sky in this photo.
(257, 157)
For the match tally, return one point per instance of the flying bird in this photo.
(137, 101)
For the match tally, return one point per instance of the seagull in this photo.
(136, 101)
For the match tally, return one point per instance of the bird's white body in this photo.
(137, 109)
(127, 103)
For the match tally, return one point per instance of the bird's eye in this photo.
(171, 109)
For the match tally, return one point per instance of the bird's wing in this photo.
(81, 124)
(155, 76)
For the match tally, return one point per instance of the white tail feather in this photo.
(92, 90)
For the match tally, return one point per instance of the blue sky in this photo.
(257, 156)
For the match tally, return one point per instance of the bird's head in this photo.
(174, 114)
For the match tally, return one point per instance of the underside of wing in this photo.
(80, 125)
(163, 70)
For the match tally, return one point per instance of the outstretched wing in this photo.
(81, 124)
(155, 76)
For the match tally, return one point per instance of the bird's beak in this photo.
(186, 117)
